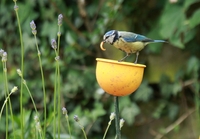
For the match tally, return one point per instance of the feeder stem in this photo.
(118, 132)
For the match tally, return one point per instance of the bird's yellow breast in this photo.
(129, 47)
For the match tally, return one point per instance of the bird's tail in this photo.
(158, 41)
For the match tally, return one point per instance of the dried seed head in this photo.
(76, 118)
(34, 32)
(59, 34)
(121, 123)
(38, 127)
(64, 110)
(112, 116)
(36, 118)
(53, 44)
(4, 57)
(16, 7)
(32, 25)
(14, 89)
(60, 18)
(57, 58)
(19, 72)
(1, 52)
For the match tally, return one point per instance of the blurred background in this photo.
(167, 103)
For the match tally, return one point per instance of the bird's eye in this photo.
(106, 37)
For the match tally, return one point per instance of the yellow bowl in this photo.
(118, 78)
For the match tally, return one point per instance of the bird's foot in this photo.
(135, 62)
(137, 54)
(123, 58)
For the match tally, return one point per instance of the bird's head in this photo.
(110, 36)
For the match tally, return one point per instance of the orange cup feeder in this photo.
(118, 78)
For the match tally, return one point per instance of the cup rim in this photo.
(120, 63)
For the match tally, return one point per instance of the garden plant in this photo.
(49, 53)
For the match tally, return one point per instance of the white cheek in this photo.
(110, 39)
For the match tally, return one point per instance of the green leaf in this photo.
(70, 38)
(177, 86)
(176, 41)
(154, 34)
(187, 3)
(173, 24)
(195, 20)
(49, 29)
(97, 111)
(189, 35)
(143, 93)
(173, 110)
(165, 86)
(171, 20)
(193, 66)
(24, 11)
(125, 101)
(166, 90)
(157, 113)
(183, 35)
(129, 113)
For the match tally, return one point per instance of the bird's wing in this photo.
(133, 37)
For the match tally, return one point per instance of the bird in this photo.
(127, 42)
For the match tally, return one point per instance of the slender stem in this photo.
(59, 34)
(34, 105)
(59, 99)
(55, 106)
(82, 128)
(36, 135)
(69, 129)
(5, 103)
(22, 70)
(58, 83)
(41, 135)
(117, 126)
(30, 96)
(43, 87)
(59, 95)
(57, 110)
(109, 123)
(7, 121)
(84, 133)
(7, 96)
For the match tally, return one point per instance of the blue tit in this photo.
(128, 42)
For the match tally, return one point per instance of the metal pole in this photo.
(117, 126)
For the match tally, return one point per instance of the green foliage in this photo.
(144, 93)
(178, 21)
(129, 112)
(194, 20)
(81, 33)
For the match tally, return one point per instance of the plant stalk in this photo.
(22, 70)
(43, 88)
(117, 126)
